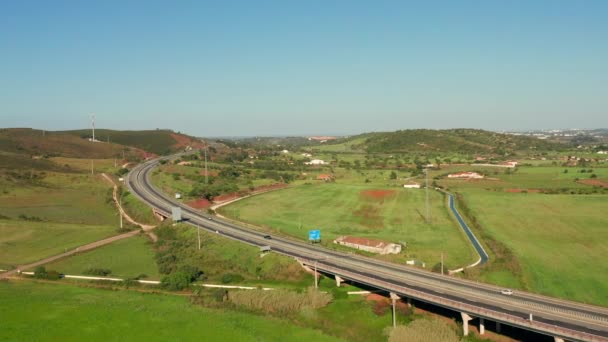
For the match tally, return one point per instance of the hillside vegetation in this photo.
(451, 140)
(158, 141)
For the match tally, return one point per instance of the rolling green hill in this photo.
(33, 142)
(451, 140)
(76, 144)
(160, 141)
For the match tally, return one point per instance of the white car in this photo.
(506, 292)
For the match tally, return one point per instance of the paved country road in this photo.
(552, 316)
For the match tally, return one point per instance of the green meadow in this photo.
(126, 258)
(559, 240)
(395, 215)
(23, 242)
(52, 312)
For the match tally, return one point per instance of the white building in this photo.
(411, 185)
(316, 162)
(466, 175)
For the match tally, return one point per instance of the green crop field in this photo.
(560, 240)
(338, 209)
(25, 241)
(126, 258)
(52, 312)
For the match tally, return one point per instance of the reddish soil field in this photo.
(377, 194)
(532, 191)
(594, 182)
(199, 204)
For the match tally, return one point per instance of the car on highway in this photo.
(506, 292)
(267, 237)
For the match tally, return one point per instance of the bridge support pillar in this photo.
(394, 299)
(339, 281)
(409, 302)
(482, 326)
(558, 339)
(498, 327)
(465, 323)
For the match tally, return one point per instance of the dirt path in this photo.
(147, 228)
(83, 248)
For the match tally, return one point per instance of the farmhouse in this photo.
(411, 185)
(466, 175)
(369, 245)
(316, 162)
(325, 177)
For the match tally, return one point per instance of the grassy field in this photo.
(126, 258)
(84, 165)
(526, 177)
(25, 241)
(137, 210)
(219, 256)
(560, 240)
(45, 312)
(340, 209)
(52, 213)
(60, 197)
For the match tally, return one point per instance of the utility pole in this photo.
(206, 172)
(91, 166)
(441, 263)
(120, 211)
(428, 209)
(198, 230)
(316, 279)
(93, 125)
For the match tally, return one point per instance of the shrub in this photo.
(176, 281)
(40, 272)
(100, 272)
(230, 277)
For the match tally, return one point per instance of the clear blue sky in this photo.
(303, 67)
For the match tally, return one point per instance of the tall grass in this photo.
(422, 330)
(279, 301)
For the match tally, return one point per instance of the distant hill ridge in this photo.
(76, 143)
(460, 140)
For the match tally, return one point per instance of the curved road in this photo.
(551, 316)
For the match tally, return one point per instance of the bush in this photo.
(229, 278)
(40, 272)
(100, 272)
(176, 281)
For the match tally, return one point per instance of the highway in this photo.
(551, 316)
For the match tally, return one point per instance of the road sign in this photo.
(314, 235)
(176, 214)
